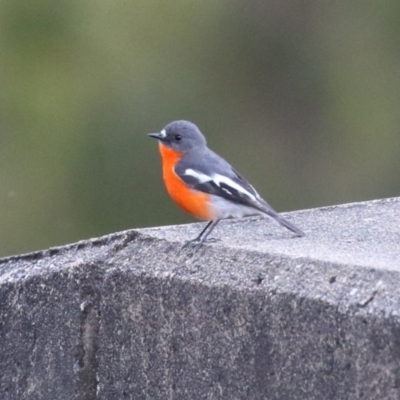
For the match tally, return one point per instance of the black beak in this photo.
(158, 136)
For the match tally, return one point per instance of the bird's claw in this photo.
(198, 245)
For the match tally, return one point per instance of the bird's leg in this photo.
(197, 239)
(211, 225)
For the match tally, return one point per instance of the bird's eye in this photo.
(178, 137)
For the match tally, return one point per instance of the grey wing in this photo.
(211, 174)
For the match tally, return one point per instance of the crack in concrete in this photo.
(86, 365)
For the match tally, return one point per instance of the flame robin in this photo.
(205, 185)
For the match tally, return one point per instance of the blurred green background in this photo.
(302, 97)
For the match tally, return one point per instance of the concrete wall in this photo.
(259, 315)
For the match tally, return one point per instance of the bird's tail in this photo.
(267, 209)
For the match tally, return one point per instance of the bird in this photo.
(204, 184)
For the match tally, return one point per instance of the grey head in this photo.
(181, 136)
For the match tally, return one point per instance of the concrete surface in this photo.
(259, 315)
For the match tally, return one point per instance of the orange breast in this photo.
(192, 201)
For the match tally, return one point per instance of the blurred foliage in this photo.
(302, 97)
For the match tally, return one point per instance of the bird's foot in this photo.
(198, 245)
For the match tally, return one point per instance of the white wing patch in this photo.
(255, 191)
(218, 179)
(202, 178)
